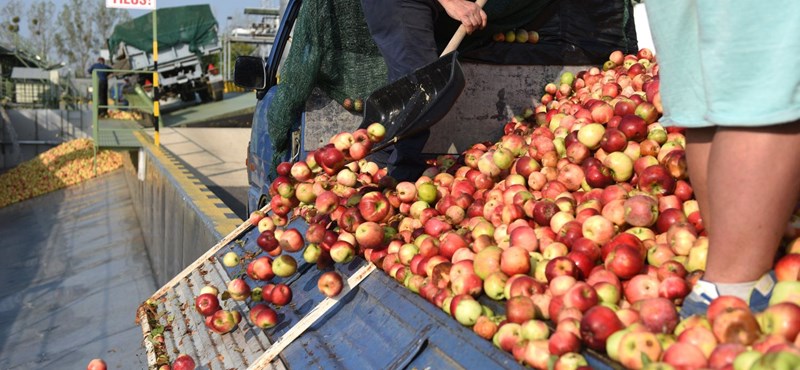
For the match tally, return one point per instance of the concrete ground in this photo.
(73, 270)
(216, 156)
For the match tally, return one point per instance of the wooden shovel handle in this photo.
(461, 32)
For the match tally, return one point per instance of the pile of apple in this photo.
(578, 226)
(65, 165)
(520, 36)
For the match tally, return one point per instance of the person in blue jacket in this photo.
(102, 78)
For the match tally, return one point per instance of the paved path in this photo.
(215, 156)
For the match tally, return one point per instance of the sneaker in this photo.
(696, 303)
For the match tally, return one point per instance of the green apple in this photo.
(782, 360)
(785, 291)
(697, 258)
(427, 192)
(567, 78)
(746, 359)
(312, 252)
(613, 343)
(230, 259)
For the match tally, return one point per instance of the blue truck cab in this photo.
(494, 93)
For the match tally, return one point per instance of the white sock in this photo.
(741, 290)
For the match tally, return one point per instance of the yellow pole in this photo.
(156, 96)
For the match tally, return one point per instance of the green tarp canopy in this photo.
(194, 25)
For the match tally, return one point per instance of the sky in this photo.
(222, 9)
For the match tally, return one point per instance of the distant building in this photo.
(26, 79)
(35, 86)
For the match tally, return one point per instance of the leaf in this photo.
(551, 362)
(645, 359)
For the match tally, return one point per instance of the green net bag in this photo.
(331, 49)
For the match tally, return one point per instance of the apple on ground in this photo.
(223, 321)
(330, 283)
(238, 289)
(97, 364)
(263, 316)
(467, 311)
(230, 259)
(206, 304)
(284, 265)
(183, 362)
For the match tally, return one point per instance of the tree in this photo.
(10, 15)
(74, 39)
(40, 26)
(83, 27)
(105, 19)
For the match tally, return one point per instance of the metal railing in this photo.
(139, 101)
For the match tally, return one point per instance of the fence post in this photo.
(95, 121)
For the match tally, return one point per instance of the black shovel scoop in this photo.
(419, 100)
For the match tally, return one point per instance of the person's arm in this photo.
(466, 12)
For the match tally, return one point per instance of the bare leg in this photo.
(753, 182)
(698, 149)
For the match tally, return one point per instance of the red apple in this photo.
(99, 364)
(597, 324)
(330, 283)
(788, 268)
(724, 354)
(560, 266)
(374, 206)
(641, 287)
(520, 309)
(641, 210)
(522, 285)
(684, 356)
(291, 240)
(736, 326)
(658, 315)
(183, 362)
(634, 127)
(781, 319)
(223, 321)
(263, 316)
(581, 296)
(563, 342)
(656, 180)
(625, 261)
(281, 294)
(206, 304)
(238, 289)
(724, 303)
(267, 241)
